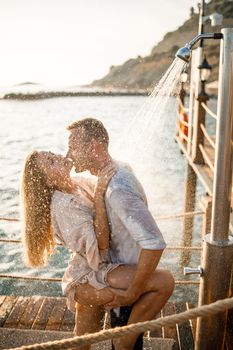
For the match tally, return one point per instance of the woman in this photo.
(57, 206)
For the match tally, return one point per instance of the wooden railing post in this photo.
(198, 137)
(206, 206)
(189, 205)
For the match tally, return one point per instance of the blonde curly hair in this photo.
(37, 231)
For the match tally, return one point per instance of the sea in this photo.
(41, 125)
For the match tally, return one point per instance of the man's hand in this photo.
(104, 176)
(147, 264)
(121, 298)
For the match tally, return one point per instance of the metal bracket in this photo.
(193, 271)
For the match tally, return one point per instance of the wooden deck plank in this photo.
(6, 308)
(184, 331)
(44, 313)
(16, 312)
(157, 333)
(170, 332)
(193, 322)
(210, 152)
(30, 313)
(68, 322)
(2, 298)
(57, 315)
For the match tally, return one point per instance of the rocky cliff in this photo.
(143, 72)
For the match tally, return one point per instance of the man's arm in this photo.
(137, 219)
(146, 265)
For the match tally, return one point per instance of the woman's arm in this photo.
(101, 223)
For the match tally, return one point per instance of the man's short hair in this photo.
(94, 129)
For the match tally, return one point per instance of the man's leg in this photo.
(156, 292)
(88, 320)
(119, 318)
(147, 307)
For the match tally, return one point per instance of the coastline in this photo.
(51, 94)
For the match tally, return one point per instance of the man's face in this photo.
(79, 150)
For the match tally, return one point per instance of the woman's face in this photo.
(55, 167)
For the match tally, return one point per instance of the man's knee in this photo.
(163, 282)
(168, 283)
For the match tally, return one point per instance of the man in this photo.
(135, 237)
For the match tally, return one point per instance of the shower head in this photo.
(184, 53)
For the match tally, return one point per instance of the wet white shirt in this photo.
(133, 228)
(72, 220)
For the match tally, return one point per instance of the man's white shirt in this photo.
(133, 228)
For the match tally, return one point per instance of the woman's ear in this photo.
(49, 183)
(95, 148)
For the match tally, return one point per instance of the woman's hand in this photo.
(104, 176)
(101, 224)
(121, 298)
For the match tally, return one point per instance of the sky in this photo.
(73, 42)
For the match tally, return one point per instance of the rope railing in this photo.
(207, 136)
(51, 279)
(206, 158)
(46, 279)
(31, 278)
(5, 240)
(9, 219)
(140, 327)
(184, 248)
(18, 241)
(176, 216)
(212, 114)
(165, 217)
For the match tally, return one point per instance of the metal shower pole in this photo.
(218, 247)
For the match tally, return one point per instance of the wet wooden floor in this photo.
(36, 312)
(51, 314)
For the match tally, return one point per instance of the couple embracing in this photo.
(116, 244)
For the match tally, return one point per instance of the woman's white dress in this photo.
(72, 220)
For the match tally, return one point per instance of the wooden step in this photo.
(11, 338)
